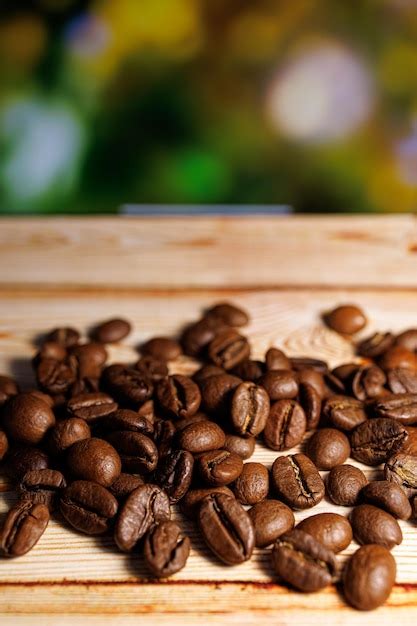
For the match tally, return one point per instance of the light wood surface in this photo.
(161, 273)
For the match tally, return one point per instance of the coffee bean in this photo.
(252, 485)
(112, 331)
(42, 486)
(8, 388)
(374, 346)
(242, 446)
(138, 453)
(413, 502)
(346, 319)
(344, 412)
(271, 519)
(196, 337)
(24, 525)
(299, 363)
(67, 337)
(201, 437)
(344, 483)
(333, 385)
(228, 348)
(174, 474)
(198, 417)
(401, 407)
(407, 339)
(219, 467)
(249, 409)
(345, 373)
(313, 378)
(410, 444)
(65, 433)
(152, 368)
(275, 359)
(164, 434)
(368, 382)
(286, 425)
(226, 528)
(310, 402)
(398, 356)
(402, 470)
(190, 503)
(327, 448)
(178, 396)
(166, 550)
(88, 507)
(375, 440)
(369, 577)
(91, 406)
(125, 419)
(229, 314)
(94, 460)
(303, 562)
(216, 392)
(90, 358)
(402, 380)
(26, 419)
(21, 459)
(163, 348)
(50, 350)
(280, 384)
(124, 485)
(4, 445)
(333, 531)
(56, 377)
(147, 411)
(373, 525)
(296, 480)
(127, 385)
(388, 496)
(144, 507)
(206, 371)
(248, 370)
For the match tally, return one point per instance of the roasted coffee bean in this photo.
(94, 460)
(344, 412)
(24, 525)
(196, 337)
(65, 433)
(124, 485)
(344, 483)
(219, 467)
(50, 350)
(82, 386)
(398, 356)
(163, 348)
(190, 503)
(401, 407)
(164, 434)
(373, 525)
(4, 445)
(228, 348)
(313, 378)
(333, 385)
(285, 426)
(388, 496)
(243, 446)
(402, 469)
(216, 392)
(346, 319)
(303, 562)
(166, 550)
(413, 502)
(410, 444)
(206, 371)
(333, 531)
(45, 397)
(26, 419)
(299, 363)
(152, 368)
(67, 337)
(147, 410)
(8, 388)
(91, 356)
(178, 396)
(310, 402)
(56, 377)
(248, 370)
(144, 507)
(374, 346)
(275, 359)
(138, 453)
(127, 385)
(91, 406)
(327, 448)
(112, 330)
(226, 528)
(296, 480)
(401, 380)
(375, 440)
(271, 519)
(407, 339)
(252, 485)
(125, 419)
(280, 384)
(174, 474)
(21, 459)
(182, 423)
(201, 437)
(345, 373)
(42, 486)
(88, 507)
(369, 577)
(229, 314)
(368, 382)
(249, 409)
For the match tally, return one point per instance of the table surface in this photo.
(160, 273)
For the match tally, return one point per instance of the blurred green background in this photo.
(310, 103)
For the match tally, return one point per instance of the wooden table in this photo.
(160, 273)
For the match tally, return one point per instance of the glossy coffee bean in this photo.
(410, 444)
(50, 350)
(138, 453)
(164, 437)
(375, 345)
(55, 377)
(144, 507)
(4, 445)
(201, 437)
(345, 373)
(192, 500)
(312, 377)
(174, 474)
(333, 385)
(299, 363)
(178, 396)
(402, 380)
(398, 356)
(276, 359)
(402, 469)
(94, 460)
(344, 484)
(8, 388)
(242, 446)
(252, 485)
(280, 384)
(327, 448)
(164, 348)
(388, 496)
(407, 339)
(197, 337)
(401, 407)
(42, 486)
(310, 402)
(88, 507)
(21, 459)
(65, 433)
(271, 519)
(166, 550)
(285, 426)
(217, 391)
(303, 562)
(333, 531)
(344, 412)
(91, 407)
(369, 577)
(24, 525)
(297, 481)
(147, 411)
(226, 528)
(112, 330)
(152, 368)
(249, 409)
(219, 467)
(346, 319)
(229, 314)
(127, 385)
(368, 382)
(66, 336)
(124, 485)
(248, 370)
(228, 348)
(375, 440)
(182, 423)
(206, 371)
(26, 419)
(373, 525)
(125, 419)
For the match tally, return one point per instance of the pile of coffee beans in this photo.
(112, 448)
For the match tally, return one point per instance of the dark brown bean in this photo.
(373, 525)
(24, 525)
(375, 440)
(407, 339)
(252, 485)
(196, 337)
(94, 460)
(275, 359)
(374, 346)
(229, 314)
(344, 483)
(138, 453)
(402, 469)
(219, 467)
(125, 419)
(56, 377)
(178, 396)
(312, 377)
(201, 437)
(216, 392)
(112, 330)
(401, 407)
(91, 407)
(368, 382)
(8, 388)
(243, 446)
(26, 419)
(124, 485)
(127, 384)
(344, 412)
(398, 356)
(368, 577)
(42, 486)
(286, 425)
(388, 496)
(228, 348)
(166, 550)
(402, 380)
(206, 371)
(280, 384)
(327, 448)
(249, 409)
(21, 459)
(152, 368)
(163, 348)
(296, 480)
(248, 370)
(271, 519)
(299, 363)
(190, 503)
(333, 531)
(67, 337)
(65, 433)
(88, 507)
(346, 319)
(164, 435)
(4, 445)
(310, 402)
(174, 474)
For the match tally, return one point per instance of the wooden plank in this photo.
(200, 252)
